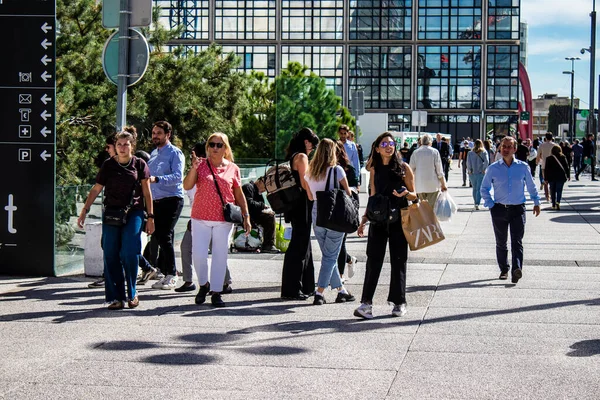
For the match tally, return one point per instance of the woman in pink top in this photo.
(208, 222)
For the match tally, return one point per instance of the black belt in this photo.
(510, 205)
(167, 199)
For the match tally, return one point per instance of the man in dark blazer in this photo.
(444, 150)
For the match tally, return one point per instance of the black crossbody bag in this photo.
(231, 212)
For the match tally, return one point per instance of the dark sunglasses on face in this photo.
(213, 144)
(386, 144)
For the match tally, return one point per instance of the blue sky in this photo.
(559, 29)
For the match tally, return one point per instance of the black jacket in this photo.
(588, 148)
(444, 149)
(553, 171)
(255, 200)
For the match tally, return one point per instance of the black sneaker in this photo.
(227, 289)
(216, 300)
(97, 284)
(147, 275)
(186, 287)
(270, 250)
(319, 300)
(344, 297)
(201, 296)
(503, 275)
(516, 275)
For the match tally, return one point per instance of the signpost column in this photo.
(27, 148)
(123, 64)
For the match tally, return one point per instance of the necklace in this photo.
(124, 166)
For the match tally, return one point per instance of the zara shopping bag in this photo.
(420, 225)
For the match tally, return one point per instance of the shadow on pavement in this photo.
(585, 348)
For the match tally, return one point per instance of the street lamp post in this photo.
(571, 110)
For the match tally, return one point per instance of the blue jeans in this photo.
(556, 189)
(330, 243)
(122, 245)
(476, 180)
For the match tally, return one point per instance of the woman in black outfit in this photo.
(557, 172)
(391, 177)
(298, 277)
(343, 161)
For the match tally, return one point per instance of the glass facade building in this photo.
(456, 59)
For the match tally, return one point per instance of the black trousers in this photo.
(166, 215)
(343, 258)
(532, 166)
(446, 167)
(267, 221)
(298, 268)
(504, 219)
(379, 236)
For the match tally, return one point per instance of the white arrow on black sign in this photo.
(45, 115)
(46, 99)
(45, 132)
(45, 60)
(46, 27)
(45, 156)
(45, 44)
(45, 76)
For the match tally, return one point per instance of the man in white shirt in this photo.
(543, 153)
(426, 164)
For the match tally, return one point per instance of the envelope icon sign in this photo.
(24, 99)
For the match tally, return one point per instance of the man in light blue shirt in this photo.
(166, 170)
(351, 150)
(508, 178)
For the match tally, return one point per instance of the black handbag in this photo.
(335, 209)
(231, 212)
(115, 216)
(380, 210)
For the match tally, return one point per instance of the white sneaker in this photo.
(364, 311)
(350, 267)
(399, 310)
(158, 284)
(170, 282)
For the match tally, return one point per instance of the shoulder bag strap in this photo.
(216, 184)
(328, 179)
(560, 165)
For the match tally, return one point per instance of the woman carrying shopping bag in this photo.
(393, 180)
(319, 178)
(477, 163)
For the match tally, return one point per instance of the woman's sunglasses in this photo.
(386, 144)
(213, 144)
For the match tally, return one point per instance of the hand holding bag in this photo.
(420, 225)
(380, 210)
(231, 212)
(335, 209)
(444, 207)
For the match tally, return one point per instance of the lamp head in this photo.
(582, 51)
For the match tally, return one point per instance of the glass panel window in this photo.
(498, 126)
(245, 19)
(449, 77)
(312, 19)
(449, 19)
(502, 77)
(380, 20)
(192, 15)
(325, 61)
(503, 19)
(255, 58)
(383, 73)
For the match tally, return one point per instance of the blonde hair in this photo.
(323, 159)
(228, 153)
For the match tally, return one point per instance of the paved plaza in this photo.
(467, 335)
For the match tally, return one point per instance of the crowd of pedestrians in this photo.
(146, 193)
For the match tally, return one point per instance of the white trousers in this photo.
(202, 233)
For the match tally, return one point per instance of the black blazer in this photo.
(444, 149)
(553, 171)
(255, 200)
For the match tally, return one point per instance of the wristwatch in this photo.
(246, 215)
(150, 216)
(156, 179)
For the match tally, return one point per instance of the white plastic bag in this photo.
(444, 207)
(252, 242)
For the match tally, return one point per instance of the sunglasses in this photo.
(213, 144)
(387, 144)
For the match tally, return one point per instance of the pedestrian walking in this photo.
(393, 178)
(543, 153)
(577, 158)
(477, 163)
(345, 258)
(589, 154)
(125, 180)
(557, 173)
(462, 160)
(508, 178)
(426, 165)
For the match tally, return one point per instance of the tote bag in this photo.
(335, 209)
(420, 225)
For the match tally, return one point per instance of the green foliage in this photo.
(557, 115)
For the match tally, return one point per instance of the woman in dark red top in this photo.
(124, 179)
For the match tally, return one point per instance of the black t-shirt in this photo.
(120, 180)
(387, 180)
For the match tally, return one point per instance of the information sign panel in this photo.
(27, 148)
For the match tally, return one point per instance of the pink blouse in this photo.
(207, 204)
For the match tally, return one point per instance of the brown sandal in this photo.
(134, 303)
(116, 305)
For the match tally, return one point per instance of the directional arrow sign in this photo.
(46, 28)
(45, 115)
(45, 44)
(45, 76)
(45, 132)
(45, 99)
(45, 60)
(45, 156)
